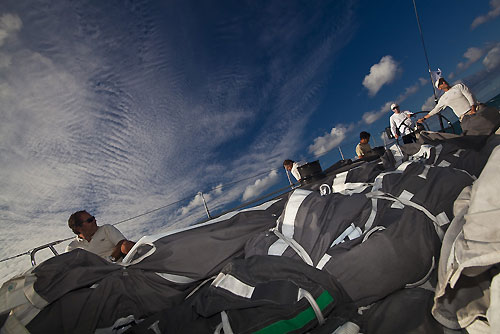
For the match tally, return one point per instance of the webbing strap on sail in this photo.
(179, 279)
(288, 225)
(351, 232)
(300, 320)
(340, 185)
(373, 230)
(295, 246)
(233, 285)
(224, 326)
(317, 311)
(386, 196)
(376, 186)
(424, 279)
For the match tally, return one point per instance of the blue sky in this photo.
(121, 107)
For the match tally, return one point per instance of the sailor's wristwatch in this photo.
(111, 258)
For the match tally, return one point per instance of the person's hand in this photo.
(396, 136)
(420, 120)
(126, 246)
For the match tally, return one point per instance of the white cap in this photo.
(394, 105)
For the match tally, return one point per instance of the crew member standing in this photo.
(401, 124)
(475, 118)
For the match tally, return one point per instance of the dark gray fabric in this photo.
(357, 272)
(319, 221)
(362, 171)
(77, 308)
(402, 253)
(407, 311)
(202, 252)
(484, 122)
(250, 315)
(399, 255)
(137, 290)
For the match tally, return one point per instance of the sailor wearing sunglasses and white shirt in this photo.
(106, 240)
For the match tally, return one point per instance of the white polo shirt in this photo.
(102, 243)
(459, 98)
(397, 119)
(295, 170)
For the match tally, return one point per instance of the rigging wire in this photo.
(425, 51)
(28, 252)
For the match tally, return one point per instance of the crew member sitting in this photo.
(363, 148)
(106, 240)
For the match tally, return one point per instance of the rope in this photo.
(28, 252)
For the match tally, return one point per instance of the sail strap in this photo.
(424, 279)
(224, 326)
(295, 246)
(405, 202)
(317, 311)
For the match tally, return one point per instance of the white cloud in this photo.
(197, 202)
(472, 55)
(492, 58)
(91, 133)
(494, 12)
(260, 185)
(9, 24)
(429, 103)
(380, 74)
(370, 117)
(328, 141)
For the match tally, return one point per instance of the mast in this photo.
(426, 59)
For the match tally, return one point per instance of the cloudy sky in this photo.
(125, 107)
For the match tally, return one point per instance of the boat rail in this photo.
(276, 193)
(50, 245)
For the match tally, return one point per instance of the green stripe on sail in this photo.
(300, 320)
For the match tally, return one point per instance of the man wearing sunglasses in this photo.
(401, 124)
(106, 240)
(475, 118)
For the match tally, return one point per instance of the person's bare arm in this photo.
(122, 248)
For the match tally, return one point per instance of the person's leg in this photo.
(484, 122)
(407, 139)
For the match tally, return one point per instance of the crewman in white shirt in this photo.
(292, 167)
(475, 118)
(401, 124)
(458, 98)
(106, 240)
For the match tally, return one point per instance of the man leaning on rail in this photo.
(106, 240)
(475, 118)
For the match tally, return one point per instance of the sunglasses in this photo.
(89, 220)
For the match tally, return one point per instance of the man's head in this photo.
(288, 164)
(395, 108)
(364, 137)
(442, 84)
(82, 223)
